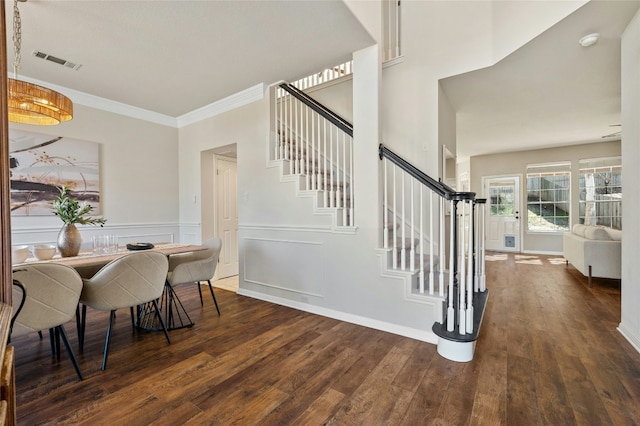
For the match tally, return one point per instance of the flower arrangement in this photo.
(70, 211)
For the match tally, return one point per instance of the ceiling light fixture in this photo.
(589, 40)
(30, 103)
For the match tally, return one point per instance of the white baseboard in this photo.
(635, 342)
(542, 252)
(413, 333)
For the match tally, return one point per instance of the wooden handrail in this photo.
(435, 185)
(325, 112)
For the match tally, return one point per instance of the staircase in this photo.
(417, 210)
(313, 147)
(430, 233)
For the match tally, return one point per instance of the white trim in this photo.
(629, 336)
(108, 105)
(456, 351)
(413, 333)
(543, 252)
(247, 96)
(277, 287)
(244, 97)
(297, 228)
(391, 62)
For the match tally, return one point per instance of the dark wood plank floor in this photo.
(548, 354)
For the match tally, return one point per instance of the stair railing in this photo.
(324, 76)
(315, 144)
(408, 192)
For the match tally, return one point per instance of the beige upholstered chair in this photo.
(132, 280)
(45, 296)
(195, 267)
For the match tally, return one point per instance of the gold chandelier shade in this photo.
(32, 104)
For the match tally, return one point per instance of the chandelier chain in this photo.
(17, 37)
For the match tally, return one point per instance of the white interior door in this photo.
(227, 213)
(502, 231)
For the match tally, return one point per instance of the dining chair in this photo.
(129, 281)
(45, 296)
(196, 267)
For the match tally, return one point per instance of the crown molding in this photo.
(247, 96)
(252, 94)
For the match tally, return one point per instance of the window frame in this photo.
(605, 165)
(555, 170)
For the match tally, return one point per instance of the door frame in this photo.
(216, 200)
(522, 216)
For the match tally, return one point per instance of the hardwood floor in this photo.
(548, 354)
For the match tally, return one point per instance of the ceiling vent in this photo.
(58, 61)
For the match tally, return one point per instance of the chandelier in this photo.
(30, 103)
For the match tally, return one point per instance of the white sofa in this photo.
(594, 250)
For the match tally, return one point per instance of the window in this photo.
(548, 197)
(601, 192)
(501, 200)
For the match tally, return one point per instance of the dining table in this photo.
(172, 310)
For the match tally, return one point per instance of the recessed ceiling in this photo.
(173, 57)
(551, 92)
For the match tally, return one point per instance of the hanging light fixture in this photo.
(30, 103)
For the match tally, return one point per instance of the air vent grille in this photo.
(58, 61)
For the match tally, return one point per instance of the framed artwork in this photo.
(41, 164)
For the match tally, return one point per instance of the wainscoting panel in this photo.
(284, 265)
(152, 233)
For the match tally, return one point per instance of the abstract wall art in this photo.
(41, 164)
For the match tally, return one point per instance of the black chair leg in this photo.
(62, 333)
(159, 315)
(200, 292)
(83, 324)
(133, 318)
(213, 296)
(56, 333)
(78, 325)
(52, 341)
(107, 339)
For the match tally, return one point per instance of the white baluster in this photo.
(296, 140)
(320, 146)
(290, 138)
(312, 171)
(307, 150)
(403, 222)
(351, 199)
(326, 166)
(385, 205)
(450, 310)
(394, 215)
(338, 192)
(431, 248)
(331, 165)
(462, 326)
(421, 235)
(275, 122)
(469, 301)
(482, 284)
(412, 253)
(441, 245)
(476, 247)
(346, 202)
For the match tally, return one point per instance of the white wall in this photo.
(630, 322)
(138, 178)
(517, 22)
(515, 163)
